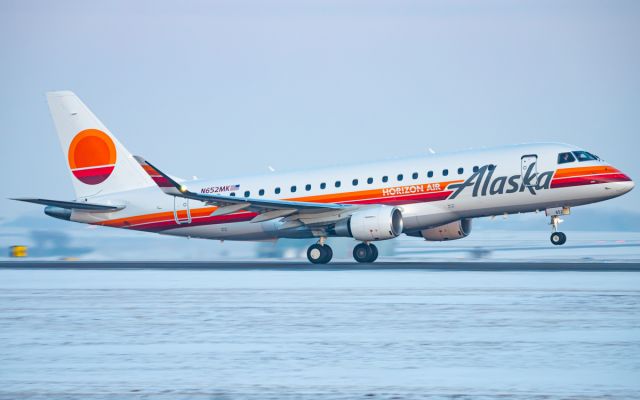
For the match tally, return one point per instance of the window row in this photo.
(356, 181)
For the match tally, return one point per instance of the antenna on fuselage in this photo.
(431, 151)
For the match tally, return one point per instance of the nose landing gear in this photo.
(557, 238)
(365, 253)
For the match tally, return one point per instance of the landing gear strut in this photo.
(319, 253)
(557, 238)
(365, 253)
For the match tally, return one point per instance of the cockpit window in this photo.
(584, 156)
(564, 158)
(597, 158)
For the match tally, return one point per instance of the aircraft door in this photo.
(181, 210)
(529, 169)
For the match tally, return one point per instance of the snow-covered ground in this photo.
(318, 334)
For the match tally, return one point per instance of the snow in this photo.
(307, 334)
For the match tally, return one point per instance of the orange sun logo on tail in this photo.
(92, 156)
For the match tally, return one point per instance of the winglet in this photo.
(164, 181)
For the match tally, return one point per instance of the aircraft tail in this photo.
(99, 164)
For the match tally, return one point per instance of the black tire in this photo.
(563, 239)
(316, 254)
(328, 254)
(319, 254)
(374, 253)
(558, 238)
(362, 253)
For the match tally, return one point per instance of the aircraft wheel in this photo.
(319, 254)
(365, 253)
(374, 253)
(558, 238)
(328, 254)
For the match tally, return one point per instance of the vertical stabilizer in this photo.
(99, 164)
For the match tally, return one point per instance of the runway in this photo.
(288, 331)
(335, 266)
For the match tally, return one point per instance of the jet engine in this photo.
(375, 223)
(451, 231)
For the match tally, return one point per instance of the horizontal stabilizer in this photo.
(73, 205)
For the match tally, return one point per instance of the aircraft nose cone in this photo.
(625, 185)
(629, 185)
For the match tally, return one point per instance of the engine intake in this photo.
(376, 223)
(451, 231)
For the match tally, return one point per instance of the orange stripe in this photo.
(138, 219)
(151, 171)
(325, 198)
(578, 171)
(365, 194)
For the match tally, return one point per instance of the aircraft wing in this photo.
(271, 208)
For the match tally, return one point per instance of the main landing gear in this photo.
(365, 253)
(557, 238)
(319, 253)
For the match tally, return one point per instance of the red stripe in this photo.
(247, 216)
(81, 173)
(588, 180)
(197, 221)
(93, 176)
(161, 181)
(94, 180)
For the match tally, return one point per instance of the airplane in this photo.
(434, 197)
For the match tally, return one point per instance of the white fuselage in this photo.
(430, 191)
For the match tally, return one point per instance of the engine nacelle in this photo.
(451, 231)
(375, 223)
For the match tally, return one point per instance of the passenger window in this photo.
(323, 185)
(277, 190)
(564, 158)
(247, 193)
(338, 183)
(293, 189)
(232, 194)
(430, 174)
(460, 171)
(584, 156)
(445, 172)
(261, 192)
(400, 177)
(369, 181)
(385, 179)
(354, 182)
(414, 175)
(307, 187)
(475, 168)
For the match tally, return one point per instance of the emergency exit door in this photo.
(181, 210)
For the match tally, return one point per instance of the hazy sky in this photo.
(227, 88)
